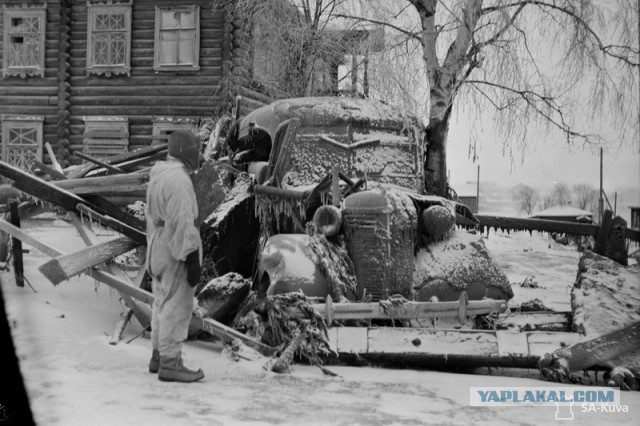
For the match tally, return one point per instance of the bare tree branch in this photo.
(410, 34)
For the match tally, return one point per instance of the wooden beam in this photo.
(589, 353)
(121, 158)
(105, 220)
(27, 239)
(52, 157)
(98, 162)
(48, 192)
(130, 182)
(133, 164)
(63, 267)
(542, 225)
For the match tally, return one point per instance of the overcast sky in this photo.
(547, 162)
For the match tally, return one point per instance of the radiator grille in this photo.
(369, 247)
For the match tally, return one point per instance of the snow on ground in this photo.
(74, 377)
(553, 266)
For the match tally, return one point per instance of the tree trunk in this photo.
(435, 165)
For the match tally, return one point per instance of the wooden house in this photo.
(108, 76)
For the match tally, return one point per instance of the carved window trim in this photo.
(108, 9)
(20, 124)
(160, 31)
(12, 16)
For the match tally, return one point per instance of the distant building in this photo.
(468, 195)
(564, 214)
(635, 218)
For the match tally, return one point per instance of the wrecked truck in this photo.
(353, 169)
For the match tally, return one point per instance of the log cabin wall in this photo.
(58, 100)
(29, 94)
(146, 95)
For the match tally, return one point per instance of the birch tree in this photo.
(541, 68)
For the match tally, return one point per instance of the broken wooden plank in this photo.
(123, 183)
(46, 191)
(52, 157)
(16, 245)
(121, 158)
(63, 267)
(28, 239)
(98, 162)
(133, 165)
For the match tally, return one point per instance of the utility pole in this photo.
(601, 201)
(478, 189)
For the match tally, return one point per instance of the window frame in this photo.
(157, 48)
(114, 138)
(23, 72)
(161, 125)
(108, 70)
(34, 122)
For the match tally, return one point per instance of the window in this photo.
(109, 40)
(23, 37)
(105, 136)
(21, 140)
(177, 45)
(164, 126)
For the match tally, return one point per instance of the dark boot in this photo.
(172, 370)
(154, 364)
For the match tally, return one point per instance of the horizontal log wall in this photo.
(145, 93)
(141, 96)
(35, 95)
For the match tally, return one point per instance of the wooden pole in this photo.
(478, 192)
(601, 201)
(16, 244)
